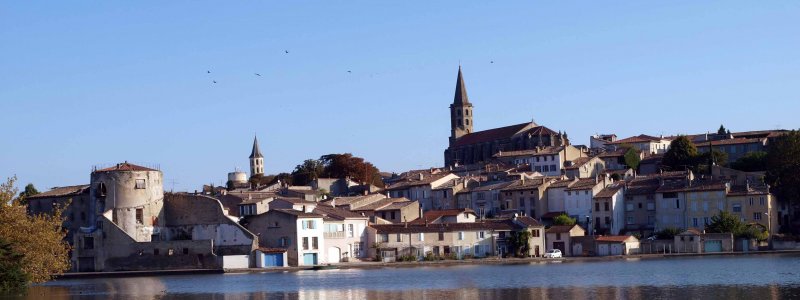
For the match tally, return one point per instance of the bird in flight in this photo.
(208, 72)
(214, 81)
(258, 74)
(348, 71)
(491, 62)
(287, 51)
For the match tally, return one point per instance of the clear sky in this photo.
(98, 82)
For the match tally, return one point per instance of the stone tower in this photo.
(256, 160)
(460, 111)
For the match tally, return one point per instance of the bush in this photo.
(668, 233)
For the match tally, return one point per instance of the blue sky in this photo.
(95, 82)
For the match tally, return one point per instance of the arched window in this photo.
(467, 120)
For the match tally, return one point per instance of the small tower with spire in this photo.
(460, 111)
(256, 160)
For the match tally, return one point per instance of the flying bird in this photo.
(348, 71)
(287, 51)
(491, 62)
(258, 74)
(214, 81)
(209, 72)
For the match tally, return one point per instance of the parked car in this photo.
(555, 253)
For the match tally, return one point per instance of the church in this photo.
(470, 147)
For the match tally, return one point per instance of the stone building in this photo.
(467, 146)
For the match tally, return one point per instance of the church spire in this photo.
(461, 90)
(256, 153)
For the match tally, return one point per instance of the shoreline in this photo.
(439, 263)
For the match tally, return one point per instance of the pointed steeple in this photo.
(461, 90)
(256, 153)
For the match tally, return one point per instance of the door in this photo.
(616, 249)
(309, 259)
(602, 249)
(272, 260)
(334, 255)
(577, 249)
(713, 246)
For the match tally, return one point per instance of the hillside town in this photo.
(523, 190)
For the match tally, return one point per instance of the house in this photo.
(527, 196)
(644, 143)
(754, 204)
(609, 211)
(560, 237)
(391, 210)
(353, 202)
(548, 161)
(299, 204)
(76, 214)
(617, 245)
(613, 159)
(254, 204)
(345, 234)
(584, 167)
(419, 185)
(463, 215)
(454, 240)
(619, 174)
(486, 198)
(670, 200)
(695, 241)
(599, 141)
(300, 233)
(556, 195)
(578, 200)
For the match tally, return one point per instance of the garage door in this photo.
(309, 259)
(334, 255)
(602, 249)
(272, 260)
(713, 246)
(577, 250)
(616, 249)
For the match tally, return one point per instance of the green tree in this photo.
(631, 158)
(518, 242)
(668, 233)
(30, 190)
(39, 239)
(751, 162)
(713, 157)
(563, 219)
(12, 278)
(682, 154)
(308, 171)
(725, 222)
(783, 166)
(722, 130)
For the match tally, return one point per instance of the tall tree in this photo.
(722, 130)
(783, 166)
(631, 157)
(12, 278)
(751, 162)
(682, 154)
(725, 222)
(38, 238)
(347, 165)
(30, 190)
(306, 172)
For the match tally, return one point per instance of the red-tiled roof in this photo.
(490, 135)
(336, 213)
(614, 238)
(561, 228)
(126, 166)
(433, 215)
(609, 191)
(578, 162)
(583, 184)
(693, 186)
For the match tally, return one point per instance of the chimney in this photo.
(333, 202)
(421, 176)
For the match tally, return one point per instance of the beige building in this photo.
(644, 143)
(560, 237)
(527, 196)
(390, 210)
(754, 204)
(301, 233)
(584, 167)
(345, 234)
(420, 185)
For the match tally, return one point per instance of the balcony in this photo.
(334, 235)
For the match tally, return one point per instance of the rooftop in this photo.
(126, 166)
(62, 191)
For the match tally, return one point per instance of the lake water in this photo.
(719, 277)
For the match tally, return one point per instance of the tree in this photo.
(563, 219)
(681, 154)
(12, 278)
(631, 158)
(347, 165)
(722, 130)
(725, 222)
(713, 157)
(751, 162)
(308, 171)
(783, 166)
(30, 190)
(518, 242)
(39, 239)
(668, 233)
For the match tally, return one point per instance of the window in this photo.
(569, 193)
(640, 205)
(467, 121)
(706, 221)
(350, 230)
(441, 236)
(558, 236)
(477, 249)
(140, 184)
(284, 242)
(651, 206)
(357, 249)
(751, 201)
(651, 220)
(552, 168)
(606, 205)
(629, 206)
(521, 202)
(586, 192)
(480, 234)
(677, 203)
(309, 224)
(139, 216)
(756, 216)
(170, 251)
(762, 201)
(305, 243)
(737, 208)
(185, 251)
(535, 233)
(597, 206)
(155, 251)
(385, 237)
(314, 243)
(694, 222)
(399, 238)
(670, 195)
(460, 235)
(88, 242)
(630, 220)
(608, 220)
(421, 237)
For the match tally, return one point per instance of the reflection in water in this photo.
(706, 278)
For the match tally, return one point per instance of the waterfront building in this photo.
(527, 196)
(609, 209)
(560, 237)
(345, 234)
(300, 232)
(578, 201)
(391, 210)
(419, 185)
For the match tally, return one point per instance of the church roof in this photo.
(490, 135)
(461, 90)
(256, 153)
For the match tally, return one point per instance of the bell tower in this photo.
(256, 160)
(460, 111)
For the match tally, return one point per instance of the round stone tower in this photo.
(132, 197)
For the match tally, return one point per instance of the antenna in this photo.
(173, 182)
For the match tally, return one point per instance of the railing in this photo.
(334, 235)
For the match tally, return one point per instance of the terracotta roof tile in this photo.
(490, 135)
(125, 167)
(642, 138)
(614, 238)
